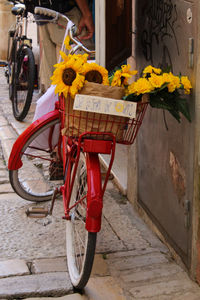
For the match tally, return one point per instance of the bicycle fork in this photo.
(95, 190)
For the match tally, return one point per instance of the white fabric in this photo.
(46, 103)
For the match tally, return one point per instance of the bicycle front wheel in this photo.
(36, 179)
(23, 83)
(80, 243)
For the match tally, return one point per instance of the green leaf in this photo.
(184, 108)
(175, 114)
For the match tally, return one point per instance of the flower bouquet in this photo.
(75, 75)
(165, 91)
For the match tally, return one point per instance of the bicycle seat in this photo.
(18, 9)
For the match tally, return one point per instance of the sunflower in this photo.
(122, 76)
(67, 77)
(95, 73)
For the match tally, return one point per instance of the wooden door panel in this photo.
(118, 32)
(165, 29)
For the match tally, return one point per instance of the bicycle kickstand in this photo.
(42, 212)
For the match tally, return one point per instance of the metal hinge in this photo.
(187, 213)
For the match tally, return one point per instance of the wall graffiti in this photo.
(161, 21)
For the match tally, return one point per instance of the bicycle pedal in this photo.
(37, 212)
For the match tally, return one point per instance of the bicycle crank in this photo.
(42, 212)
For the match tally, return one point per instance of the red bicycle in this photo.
(42, 146)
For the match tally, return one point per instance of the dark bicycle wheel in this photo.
(41, 170)
(12, 58)
(79, 242)
(24, 78)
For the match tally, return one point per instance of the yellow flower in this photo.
(95, 73)
(186, 84)
(141, 86)
(166, 78)
(67, 77)
(174, 83)
(149, 69)
(67, 43)
(156, 80)
(122, 76)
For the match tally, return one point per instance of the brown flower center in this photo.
(94, 76)
(68, 76)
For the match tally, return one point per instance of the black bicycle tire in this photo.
(20, 116)
(11, 68)
(14, 175)
(80, 282)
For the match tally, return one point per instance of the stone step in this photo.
(37, 285)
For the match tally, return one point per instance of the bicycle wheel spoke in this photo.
(80, 243)
(36, 179)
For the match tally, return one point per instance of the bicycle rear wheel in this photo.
(80, 243)
(11, 66)
(35, 180)
(24, 79)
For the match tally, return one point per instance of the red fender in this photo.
(14, 161)
(94, 195)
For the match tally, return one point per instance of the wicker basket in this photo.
(78, 122)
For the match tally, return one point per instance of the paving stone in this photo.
(13, 267)
(7, 147)
(7, 132)
(163, 288)
(131, 262)
(3, 121)
(19, 127)
(155, 271)
(6, 188)
(49, 265)
(4, 173)
(2, 164)
(4, 180)
(103, 288)
(67, 297)
(188, 296)
(107, 239)
(126, 232)
(49, 284)
(136, 252)
(100, 266)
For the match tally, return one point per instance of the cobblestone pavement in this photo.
(131, 262)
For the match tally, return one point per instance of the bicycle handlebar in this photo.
(72, 31)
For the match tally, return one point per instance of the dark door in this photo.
(118, 32)
(166, 36)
